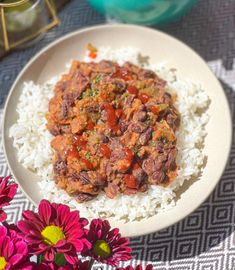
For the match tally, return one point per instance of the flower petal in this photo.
(3, 231)
(78, 244)
(15, 259)
(21, 248)
(71, 258)
(45, 211)
(49, 255)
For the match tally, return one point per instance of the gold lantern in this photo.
(24, 20)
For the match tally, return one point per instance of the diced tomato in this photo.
(105, 151)
(87, 163)
(143, 97)
(124, 168)
(92, 55)
(129, 154)
(119, 112)
(78, 141)
(90, 125)
(111, 116)
(127, 160)
(132, 90)
(154, 109)
(131, 181)
(123, 74)
(73, 153)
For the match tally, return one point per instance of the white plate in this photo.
(161, 48)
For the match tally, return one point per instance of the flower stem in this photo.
(91, 264)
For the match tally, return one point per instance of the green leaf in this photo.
(60, 259)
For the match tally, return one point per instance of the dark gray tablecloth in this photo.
(205, 240)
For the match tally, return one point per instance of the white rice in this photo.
(32, 141)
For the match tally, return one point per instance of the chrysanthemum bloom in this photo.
(13, 251)
(7, 192)
(55, 229)
(138, 267)
(107, 245)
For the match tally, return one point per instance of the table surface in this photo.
(205, 240)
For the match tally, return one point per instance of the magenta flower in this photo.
(107, 245)
(13, 251)
(77, 266)
(138, 267)
(55, 229)
(7, 192)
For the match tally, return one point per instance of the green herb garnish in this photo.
(152, 143)
(89, 93)
(138, 153)
(90, 132)
(88, 155)
(97, 79)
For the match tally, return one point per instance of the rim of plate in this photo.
(130, 26)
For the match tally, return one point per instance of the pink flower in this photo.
(7, 192)
(13, 251)
(107, 245)
(77, 266)
(138, 267)
(55, 229)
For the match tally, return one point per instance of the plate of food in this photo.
(119, 122)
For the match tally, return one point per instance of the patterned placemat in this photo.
(205, 240)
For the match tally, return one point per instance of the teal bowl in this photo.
(145, 12)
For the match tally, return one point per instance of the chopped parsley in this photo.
(90, 132)
(138, 153)
(88, 155)
(97, 79)
(89, 93)
(124, 96)
(152, 143)
(116, 103)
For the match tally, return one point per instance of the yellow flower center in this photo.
(3, 263)
(52, 235)
(102, 249)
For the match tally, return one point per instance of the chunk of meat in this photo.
(78, 124)
(61, 144)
